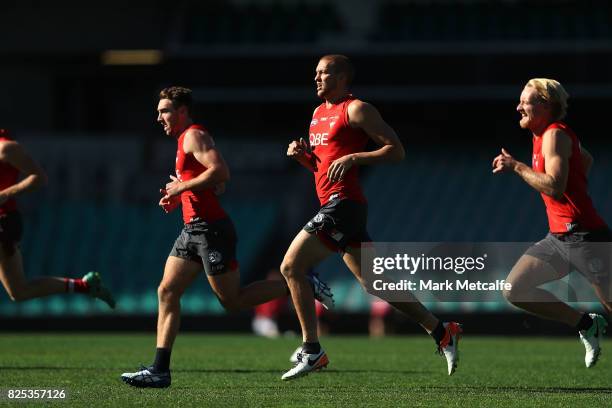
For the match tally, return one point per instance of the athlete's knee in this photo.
(287, 268)
(515, 292)
(508, 294)
(291, 269)
(168, 293)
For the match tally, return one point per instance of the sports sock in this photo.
(439, 332)
(76, 285)
(162, 359)
(585, 322)
(311, 348)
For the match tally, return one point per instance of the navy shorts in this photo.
(340, 223)
(211, 244)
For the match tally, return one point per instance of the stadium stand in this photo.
(485, 21)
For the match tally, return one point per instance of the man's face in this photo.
(326, 78)
(169, 117)
(534, 112)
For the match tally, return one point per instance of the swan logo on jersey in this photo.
(319, 139)
(571, 226)
(313, 122)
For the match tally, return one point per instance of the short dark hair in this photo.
(179, 96)
(341, 63)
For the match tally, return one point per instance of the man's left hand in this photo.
(174, 187)
(339, 167)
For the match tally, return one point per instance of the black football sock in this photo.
(311, 348)
(585, 322)
(439, 332)
(162, 359)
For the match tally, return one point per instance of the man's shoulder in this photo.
(197, 138)
(8, 146)
(360, 111)
(558, 131)
(558, 139)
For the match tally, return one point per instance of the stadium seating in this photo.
(129, 245)
(493, 21)
(207, 23)
(434, 197)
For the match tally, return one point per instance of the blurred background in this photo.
(79, 90)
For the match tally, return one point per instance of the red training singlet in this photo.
(202, 204)
(575, 210)
(331, 137)
(8, 177)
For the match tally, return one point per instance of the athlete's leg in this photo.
(179, 274)
(603, 294)
(411, 307)
(17, 286)
(525, 277)
(233, 297)
(304, 253)
(446, 335)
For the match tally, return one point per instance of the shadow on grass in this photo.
(25, 368)
(332, 371)
(219, 370)
(535, 390)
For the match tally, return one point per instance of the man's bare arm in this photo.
(15, 155)
(365, 116)
(201, 145)
(556, 150)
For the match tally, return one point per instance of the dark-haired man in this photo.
(208, 240)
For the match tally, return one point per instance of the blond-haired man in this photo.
(577, 236)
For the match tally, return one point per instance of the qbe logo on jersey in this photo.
(319, 139)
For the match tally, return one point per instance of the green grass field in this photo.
(243, 370)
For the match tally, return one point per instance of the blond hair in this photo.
(552, 92)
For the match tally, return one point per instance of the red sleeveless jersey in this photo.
(331, 137)
(202, 204)
(575, 210)
(8, 177)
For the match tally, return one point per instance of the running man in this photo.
(340, 128)
(15, 161)
(560, 166)
(208, 240)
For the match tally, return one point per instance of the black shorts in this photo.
(11, 230)
(587, 252)
(212, 245)
(340, 223)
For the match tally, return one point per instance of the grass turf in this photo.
(243, 370)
